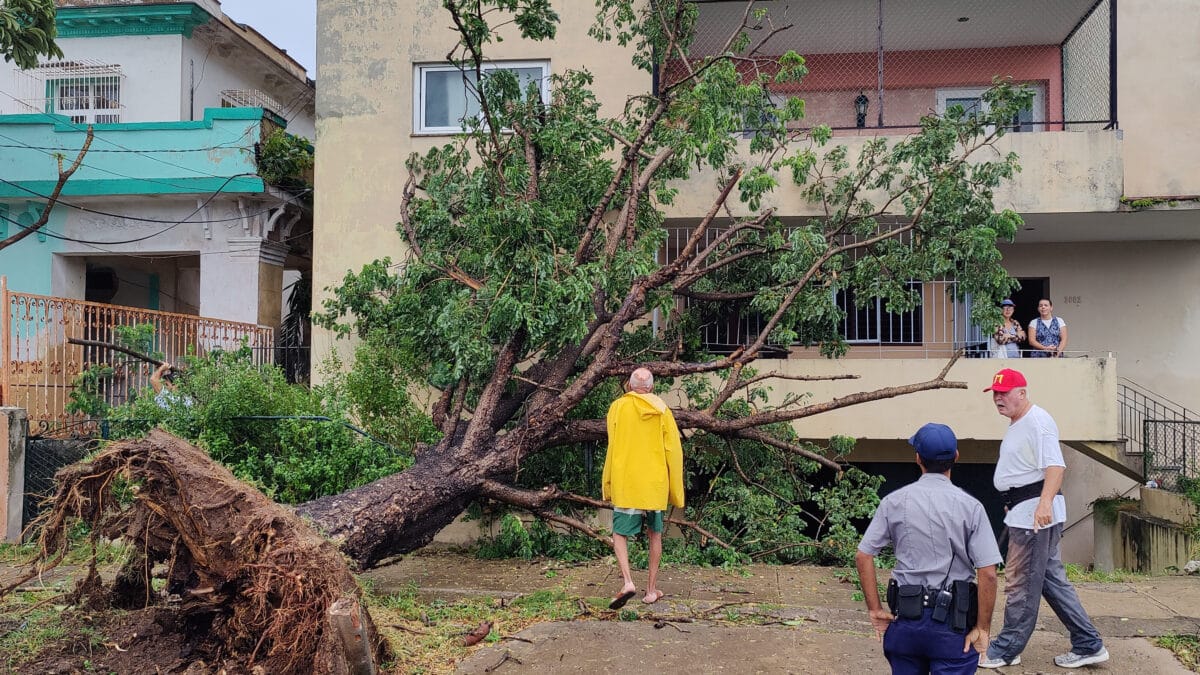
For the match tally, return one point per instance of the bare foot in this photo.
(626, 594)
(653, 597)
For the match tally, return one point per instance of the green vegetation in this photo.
(1105, 509)
(285, 160)
(27, 31)
(1186, 648)
(292, 460)
(1079, 573)
(427, 637)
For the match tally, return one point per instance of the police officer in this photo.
(937, 620)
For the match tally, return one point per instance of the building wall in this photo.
(1061, 172)
(218, 68)
(1156, 43)
(223, 142)
(27, 263)
(834, 80)
(1137, 300)
(366, 54)
(150, 88)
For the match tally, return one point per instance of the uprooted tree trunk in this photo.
(401, 513)
(261, 578)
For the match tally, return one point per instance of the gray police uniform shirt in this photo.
(940, 533)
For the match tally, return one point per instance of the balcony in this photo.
(912, 59)
(1083, 392)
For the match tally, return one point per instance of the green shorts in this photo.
(628, 522)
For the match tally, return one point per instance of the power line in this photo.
(66, 120)
(152, 257)
(140, 152)
(115, 173)
(289, 200)
(149, 236)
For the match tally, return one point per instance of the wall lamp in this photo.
(860, 110)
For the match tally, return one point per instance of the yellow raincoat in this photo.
(644, 465)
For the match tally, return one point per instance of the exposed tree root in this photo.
(257, 574)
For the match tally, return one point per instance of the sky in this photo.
(290, 24)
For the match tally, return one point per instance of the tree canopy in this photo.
(27, 31)
(535, 277)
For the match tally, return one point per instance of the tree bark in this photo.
(399, 513)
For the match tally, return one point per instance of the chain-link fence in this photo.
(1172, 451)
(43, 458)
(885, 64)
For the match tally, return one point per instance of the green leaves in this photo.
(27, 31)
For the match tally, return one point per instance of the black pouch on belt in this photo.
(966, 606)
(910, 601)
(893, 591)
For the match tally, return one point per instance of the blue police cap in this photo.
(935, 442)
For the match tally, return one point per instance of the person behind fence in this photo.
(643, 472)
(938, 617)
(1047, 333)
(164, 381)
(1005, 342)
(1029, 475)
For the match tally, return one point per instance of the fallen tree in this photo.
(533, 282)
(242, 576)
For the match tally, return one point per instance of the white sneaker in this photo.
(1073, 660)
(986, 661)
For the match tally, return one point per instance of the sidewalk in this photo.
(826, 630)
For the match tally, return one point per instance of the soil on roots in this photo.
(151, 640)
(246, 583)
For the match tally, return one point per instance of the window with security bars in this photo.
(873, 324)
(91, 100)
(734, 324)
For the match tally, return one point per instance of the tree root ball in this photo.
(261, 579)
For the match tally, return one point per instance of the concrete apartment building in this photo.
(1108, 191)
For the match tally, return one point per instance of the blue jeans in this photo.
(927, 647)
(1035, 570)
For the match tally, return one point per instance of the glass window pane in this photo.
(447, 99)
(971, 106)
(527, 75)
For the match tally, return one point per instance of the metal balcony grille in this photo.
(88, 92)
(249, 98)
(940, 325)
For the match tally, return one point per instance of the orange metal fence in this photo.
(40, 366)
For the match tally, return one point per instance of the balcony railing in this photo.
(40, 365)
(938, 326)
(1166, 434)
(910, 58)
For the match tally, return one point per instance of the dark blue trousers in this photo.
(927, 647)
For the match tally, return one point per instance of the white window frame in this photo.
(420, 70)
(88, 114)
(1037, 112)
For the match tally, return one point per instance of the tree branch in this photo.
(537, 501)
(52, 200)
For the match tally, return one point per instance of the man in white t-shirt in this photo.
(1029, 474)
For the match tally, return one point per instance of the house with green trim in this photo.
(169, 209)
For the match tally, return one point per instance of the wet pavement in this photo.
(814, 623)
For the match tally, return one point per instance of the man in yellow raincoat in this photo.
(643, 472)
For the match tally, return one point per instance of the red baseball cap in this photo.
(1007, 380)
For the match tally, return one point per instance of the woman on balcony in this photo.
(1047, 333)
(1003, 343)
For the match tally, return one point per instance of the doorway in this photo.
(1025, 299)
